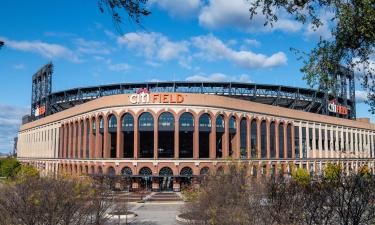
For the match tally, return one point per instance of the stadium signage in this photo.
(333, 107)
(143, 96)
(40, 110)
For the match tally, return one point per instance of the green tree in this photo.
(9, 167)
(352, 44)
(332, 172)
(301, 176)
(25, 172)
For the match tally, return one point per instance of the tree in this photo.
(133, 9)
(9, 167)
(352, 43)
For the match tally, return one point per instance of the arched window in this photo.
(205, 122)
(126, 171)
(289, 140)
(205, 170)
(166, 171)
(220, 123)
(254, 139)
(111, 171)
(166, 121)
(263, 139)
(166, 135)
(101, 123)
(146, 121)
(112, 122)
(186, 122)
(146, 135)
(204, 135)
(219, 136)
(232, 134)
(127, 122)
(272, 140)
(186, 171)
(281, 141)
(145, 171)
(93, 125)
(243, 138)
(82, 133)
(100, 170)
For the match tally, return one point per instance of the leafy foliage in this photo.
(301, 176)
(133, 9)
(352, 43)
(332, 172)
(9, 167)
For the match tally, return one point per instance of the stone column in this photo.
(196, 138)
(176, 137)
(156, 138)
(120, 140)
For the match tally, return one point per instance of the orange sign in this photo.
(143, 96)
(332, 107)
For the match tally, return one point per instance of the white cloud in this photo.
(235, 13)
(252, 42)
(120, 67)
(361, 96)
(91, 47)
(154, 45)
(212, 48)
(19, 66)
(179, 8)
(47, 50)
(10, 120)
(324, 30)
(219, 77)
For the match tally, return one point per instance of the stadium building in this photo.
(163, 135)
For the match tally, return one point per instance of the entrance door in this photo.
(166, 183)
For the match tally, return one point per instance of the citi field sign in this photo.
(143, 96)
(333, 107)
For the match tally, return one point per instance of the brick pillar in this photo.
(107, 139)
(259, 144)
(268, 139)
(225, 140)
(277, 140)
(196, 138)
(84, 139)
(156, 137)
(176, 138)
(213, 139)
(248, 138)
(136, 140)
(237, 140)
(120, 140)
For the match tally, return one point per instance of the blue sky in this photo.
(192, 40)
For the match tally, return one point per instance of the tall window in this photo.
(204, 135)
(146, 135)
(77, 138)
(263, 139)
(254, 140)
(112, 129)
(232, 134)
(304, 143)
(87, 138)
(186, 124)
(243, 138)
(272, 140)
(127, 126)
(296, 141)
(166, 135)
(82, 135)
(289, 140)
(219, 136)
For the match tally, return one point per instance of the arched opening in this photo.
(232, 135)
(166, 135)
(272, 140)
(126, 174)
(204, 135)
(243, 138)
(166, 179)
(281, 141)
(254, 139)
(204, 171)
(101, 137)
(111, 171)
(126, 171)
(76, 150)
(186, 175)
(146, 135)
(92, 170)
(100, 170)
(127, 127)
(86, 170)
(82, 131)
(219, 136)
(94, 148)
(145, 174)
(254, 171)
(263, 139)
(112, 129)
(289, 141)
(186, 124)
